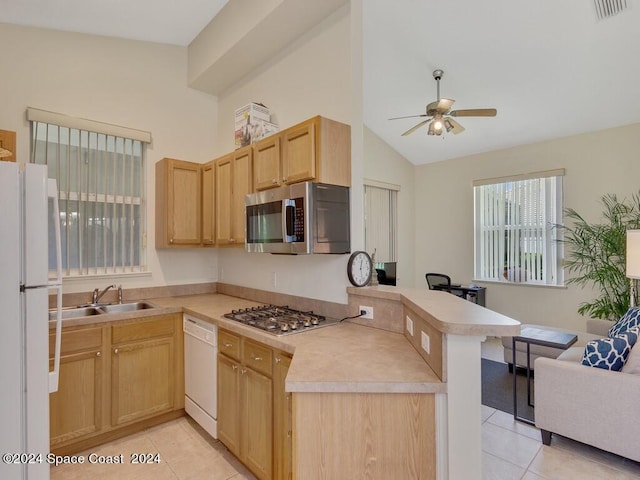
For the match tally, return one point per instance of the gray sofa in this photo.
(591, 405)
(595, 329)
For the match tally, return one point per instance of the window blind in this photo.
(514, 236)
(101, 183)
(381, 222)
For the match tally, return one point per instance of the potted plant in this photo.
(595, 254)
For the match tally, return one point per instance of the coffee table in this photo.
(536, 336)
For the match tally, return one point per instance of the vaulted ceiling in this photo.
(550, 68)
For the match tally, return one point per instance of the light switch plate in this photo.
(409, 325)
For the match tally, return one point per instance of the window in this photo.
(100, 171)
(514, 236)
(381, 221)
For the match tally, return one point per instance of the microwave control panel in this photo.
(298, 230)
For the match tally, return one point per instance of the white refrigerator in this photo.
(28, 202)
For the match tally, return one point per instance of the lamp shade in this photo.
(633, 253)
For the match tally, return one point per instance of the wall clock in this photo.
(360, 268)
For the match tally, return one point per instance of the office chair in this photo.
(438, 279)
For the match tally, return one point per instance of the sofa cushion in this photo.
(628, 320)
(610, 353)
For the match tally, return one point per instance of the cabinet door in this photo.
(282, 420)
(208, 204)
(267, 171)
(229, 404)
(223, 176)
(242, 184)
(257, 423)
(178, 203)
(142, 379)
(76, 408)
(299, 153)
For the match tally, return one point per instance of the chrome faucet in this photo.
(119, 293)
(97, 295)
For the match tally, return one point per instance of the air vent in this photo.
(609, 8)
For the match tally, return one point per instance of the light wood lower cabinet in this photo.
(250, 387)
(282, 424)
(76, 408)
(116, 378)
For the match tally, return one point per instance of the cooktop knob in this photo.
(314, 321)
(284, 327)
(306, 322)
(293, 326)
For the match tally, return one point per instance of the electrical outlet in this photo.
(425, 341)
(409, 326)
(368, 312)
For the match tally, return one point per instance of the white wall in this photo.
(135, 84)
(311, 77)
(383, 164)
(596, 163)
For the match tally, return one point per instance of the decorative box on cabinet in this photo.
(178, 203)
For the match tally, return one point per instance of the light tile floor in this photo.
(511, 451)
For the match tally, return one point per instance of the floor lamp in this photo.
(633, 262)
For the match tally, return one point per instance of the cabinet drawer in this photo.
(229, 344)
(75, 341)
(160, 326)
(258, 357)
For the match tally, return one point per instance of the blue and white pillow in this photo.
(610, 353)
(628, 320)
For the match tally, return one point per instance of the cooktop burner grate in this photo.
(279, 320)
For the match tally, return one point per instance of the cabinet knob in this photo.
(256, 358)
(243, 371)
(278, 359)
(227, 345)
(274, 181)
(284, 179)
(115, 351)
(171, 240)
(98, 354)
(235, 367)
(232, 240)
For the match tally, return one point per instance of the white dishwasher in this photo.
(200, 372)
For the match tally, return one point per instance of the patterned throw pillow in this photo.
(610, 353)
(628, 320)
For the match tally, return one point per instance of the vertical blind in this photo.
(101, 184)
(381, 222)
(514, 236)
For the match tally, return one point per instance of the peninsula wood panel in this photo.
(434, 357)
(358, 435)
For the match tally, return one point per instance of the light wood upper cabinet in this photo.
(178, 203)
(208, 204)
(233, 180)
(267, 166)
(318, 149)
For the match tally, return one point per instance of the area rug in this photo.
(497, 388)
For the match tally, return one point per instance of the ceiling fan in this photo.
(439, 114)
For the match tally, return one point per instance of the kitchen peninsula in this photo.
(368, 404)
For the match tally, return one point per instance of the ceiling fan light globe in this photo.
(447, 125)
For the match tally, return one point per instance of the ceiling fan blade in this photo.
(413, 129)
(476, 112)
(456, 128)
(410, 116)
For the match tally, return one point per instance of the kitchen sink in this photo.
(89, 310)
(75, 312)
(125, 307)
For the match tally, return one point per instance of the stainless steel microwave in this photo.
(302, 218)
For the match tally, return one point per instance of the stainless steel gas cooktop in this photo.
(280, 320)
